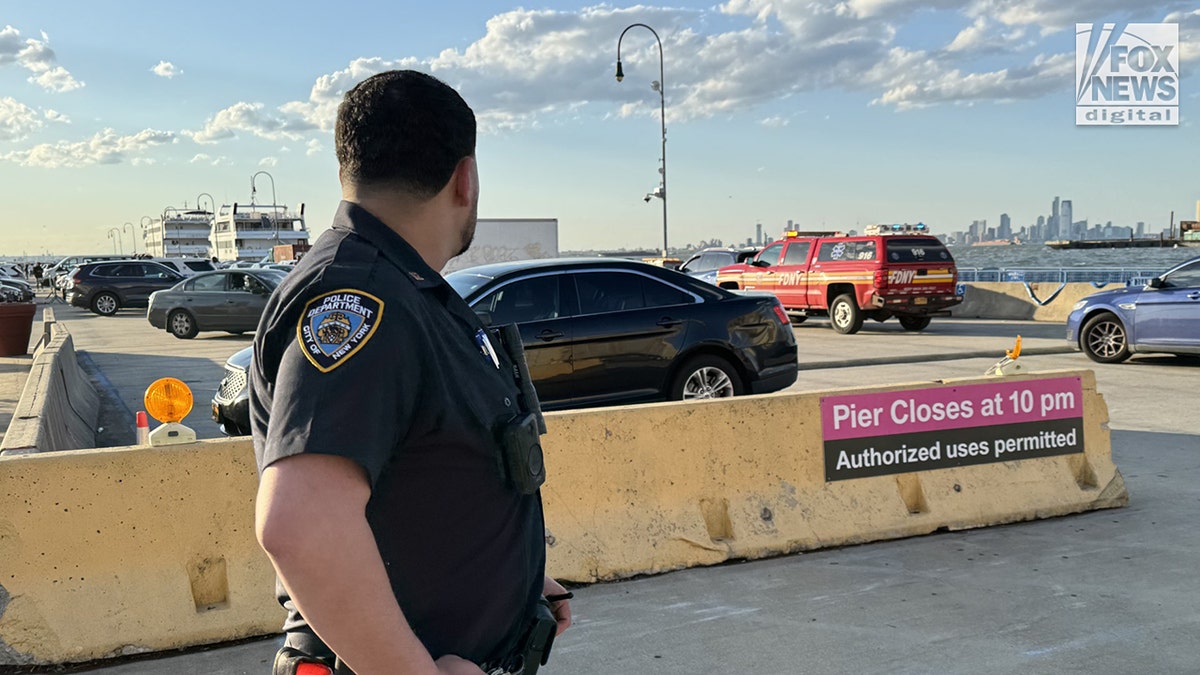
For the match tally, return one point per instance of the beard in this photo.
(468, 230)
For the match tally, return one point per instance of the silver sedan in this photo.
(230, 300)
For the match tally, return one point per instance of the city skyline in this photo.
(831, 113)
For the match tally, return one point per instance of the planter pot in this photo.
(16, 324)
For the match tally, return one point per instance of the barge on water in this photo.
(1160, 242)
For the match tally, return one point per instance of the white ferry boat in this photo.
(249, 232)
(180, 233)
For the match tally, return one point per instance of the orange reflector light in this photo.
(168, 400)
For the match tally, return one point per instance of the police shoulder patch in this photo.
(335, 325)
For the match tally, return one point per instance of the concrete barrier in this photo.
(1041, 301)
(109, 552)
(745, 478)
(59, 407)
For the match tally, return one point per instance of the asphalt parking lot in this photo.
(1102, 592)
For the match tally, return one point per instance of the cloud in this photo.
(923, 82)
(1055, 15)
(268, 162)
(314, 147)
(38, 58)
(775, 122)
(105, 147)
(533, 65)
(55, 116)
(253, 119)
(983, 36)
(17, 120)
(1189, 34)
(166, 69)
(205, 158)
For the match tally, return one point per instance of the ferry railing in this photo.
(1094, 275)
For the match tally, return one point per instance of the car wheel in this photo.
(182, 325)
(845, 315)
(914, 323)
(706, 377)
(106, 304)
(1104, 340)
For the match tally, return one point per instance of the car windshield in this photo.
(465, 283)
(272, 277)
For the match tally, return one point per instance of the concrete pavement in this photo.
(1102, 592)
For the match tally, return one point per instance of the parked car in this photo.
(228, 300)
(186, 266)
(106, 287)
(57, 274)
(704, 263)
(231, 403)
(1162, 316)
(609, 331)
(19, 288)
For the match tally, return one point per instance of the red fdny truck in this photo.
(891, 270)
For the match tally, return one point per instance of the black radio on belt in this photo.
(523, 463)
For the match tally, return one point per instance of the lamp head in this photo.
(620, 73)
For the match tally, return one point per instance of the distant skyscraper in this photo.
(1065, 231)
(758, 240)
(1005, 231)
(1053, 226)
(1141, 226)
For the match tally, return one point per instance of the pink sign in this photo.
(943, 408)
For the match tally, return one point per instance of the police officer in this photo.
(378, 402)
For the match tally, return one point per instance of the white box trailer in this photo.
(505, 239)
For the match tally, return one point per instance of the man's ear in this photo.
(466, 181)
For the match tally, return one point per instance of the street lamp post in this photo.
(274, 220)
(116, 240)
(661, 87)
(133, 241)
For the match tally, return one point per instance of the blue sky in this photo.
(831, 113)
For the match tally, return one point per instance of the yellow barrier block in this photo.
(113, 552)
(654, 488)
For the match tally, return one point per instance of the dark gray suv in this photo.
(105, 287)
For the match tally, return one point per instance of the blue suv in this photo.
(1162, 316)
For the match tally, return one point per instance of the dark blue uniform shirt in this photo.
(365, 352)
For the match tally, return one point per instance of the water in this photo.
(1038, 256)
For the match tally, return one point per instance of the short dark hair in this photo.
(405, 129)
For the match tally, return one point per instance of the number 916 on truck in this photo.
(890, 270)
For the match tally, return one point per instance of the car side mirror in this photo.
(760, 263)
(1156, 282)
(485, 317)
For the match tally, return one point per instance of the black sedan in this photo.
(228, 300)
(609, 331)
